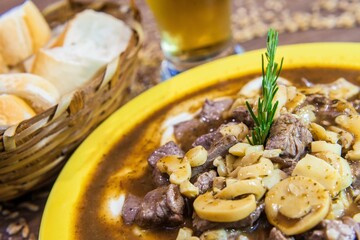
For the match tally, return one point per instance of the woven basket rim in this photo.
(134, 24)
(34, 151)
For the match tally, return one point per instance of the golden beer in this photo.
(192, 30)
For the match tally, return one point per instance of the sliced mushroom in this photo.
(339, 206)
(253, 87)
(320, 133)
(177, 168)
(239, 149)
(356, 217)
(214, 209)
(345, 138)
(219, 234)
(276, 176)
(296, 101)
(340, 89)
(341, 165)
(242, 187)
(248, 160)
(306, 114)
(254, 149)
(229, 162)
(322, 146)
(310, 89)
(184, 233)
(297, 204)
(188, 189)
(238, 130)
(221, 168)
(271, 153)
(197, 156)
(291, 92)
(319, 170)
(263, 168)
(351, 123)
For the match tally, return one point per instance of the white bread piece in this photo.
(105, 35)
(28, 63)
(37, 91)
(15, 39)
(66, 68)
(90, 41)
(56, 40)
(14, 110)
(3, 67)
(23, 30)
(38, 27)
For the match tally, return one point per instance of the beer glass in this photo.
(192, 31)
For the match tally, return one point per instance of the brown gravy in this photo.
(138, 144)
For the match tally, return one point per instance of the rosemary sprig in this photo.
(266, 109)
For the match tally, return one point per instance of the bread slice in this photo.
(3, 67)
(89, 42)
(106, 35)
(56, 40)
(23, 30)
(38, 92)
(13, 110)
(66, 68)
(38, 27)
(15, 39)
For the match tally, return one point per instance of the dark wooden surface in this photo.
(147, 77)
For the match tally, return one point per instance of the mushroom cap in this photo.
(297, 204)
(214, 209)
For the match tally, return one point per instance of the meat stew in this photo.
(155, 207)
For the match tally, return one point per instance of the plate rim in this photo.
(59, 216)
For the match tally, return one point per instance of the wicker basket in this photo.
(33, 152)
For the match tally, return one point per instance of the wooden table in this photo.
(147, 77)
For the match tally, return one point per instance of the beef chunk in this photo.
(355, 170)
(131, 208)
(207, 140)
(163, 206)
(209, 118)
(212, 110)
(290, 135)
(201, 225)
(187, 132)
(219, 148)
(159, 178)
(325, 108)
(290, 169)
(241, 114)
(331, 229)
(204, 181)
(169, 148)
(318, 100)
(276, 234)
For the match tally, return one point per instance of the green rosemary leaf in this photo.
(266, 109)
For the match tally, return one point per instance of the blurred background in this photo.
(298, 21)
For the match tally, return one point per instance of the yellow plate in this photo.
(60, 211)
